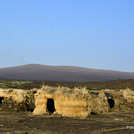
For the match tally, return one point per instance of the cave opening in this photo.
(1, 98)
(111, 103)
(50, 106)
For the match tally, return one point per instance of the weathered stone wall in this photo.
(14, 100)
(66, 102)
(8, 104)
(71, 103)
(80, 102)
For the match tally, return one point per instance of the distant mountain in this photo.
(61, 73)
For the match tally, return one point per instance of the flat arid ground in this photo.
(121, 122)
(27, 123)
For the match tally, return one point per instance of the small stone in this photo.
(117, 119)
(121, 119)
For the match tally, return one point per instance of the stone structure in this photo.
(65, 101)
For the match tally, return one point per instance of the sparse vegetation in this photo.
(89, 88)
(27, 85)
(15, 84)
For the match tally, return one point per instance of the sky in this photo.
(96, 34)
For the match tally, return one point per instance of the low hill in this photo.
(36, 72)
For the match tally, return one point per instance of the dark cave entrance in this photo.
(111, 103)
(110, 100)
(1, 98)
(50, 105)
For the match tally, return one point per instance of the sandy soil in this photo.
(27, 123)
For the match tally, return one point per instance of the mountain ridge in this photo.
(39, 72)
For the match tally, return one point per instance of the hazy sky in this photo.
(96, 34)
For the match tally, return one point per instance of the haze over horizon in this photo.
(62, 66)
(36, 72)
(91, 34)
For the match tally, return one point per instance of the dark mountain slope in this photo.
(61, 73)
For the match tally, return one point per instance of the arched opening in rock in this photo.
(111, 103)
(1, 98)
(50, 105)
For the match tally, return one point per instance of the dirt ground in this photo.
(27, 123)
